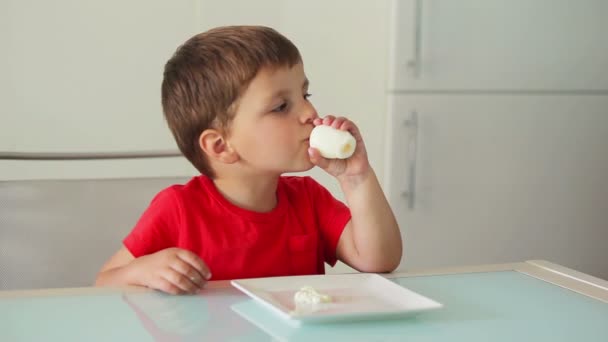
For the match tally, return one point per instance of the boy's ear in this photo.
(213, 143)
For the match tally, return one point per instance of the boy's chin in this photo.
(302, 167)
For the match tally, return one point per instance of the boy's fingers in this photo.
(179, 280)
(189, 272)
(338, 122)
(166, 286)
(346, 125)
(328, 120)
(195, 262)
(317, 159)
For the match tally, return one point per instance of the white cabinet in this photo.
(85, 77)
(500, 178)
(481, 45)
(498, 131)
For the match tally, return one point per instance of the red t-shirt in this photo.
(295, 238)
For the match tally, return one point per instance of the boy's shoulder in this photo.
(202, 186)
(196, 186)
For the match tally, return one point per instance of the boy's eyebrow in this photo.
(284, 92)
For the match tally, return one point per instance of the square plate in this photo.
(354, 297)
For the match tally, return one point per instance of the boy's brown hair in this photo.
(208, 73)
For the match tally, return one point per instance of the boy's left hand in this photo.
(355, 165)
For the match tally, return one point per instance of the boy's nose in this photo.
(309, 113)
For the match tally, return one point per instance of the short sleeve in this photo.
(332, 217)
(155, 229)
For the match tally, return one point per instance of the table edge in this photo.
(541, 269)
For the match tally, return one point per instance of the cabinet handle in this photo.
(413, 64)
(412, 156)
(86, 155)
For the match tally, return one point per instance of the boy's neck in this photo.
(258, 195)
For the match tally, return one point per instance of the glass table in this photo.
(532, 301)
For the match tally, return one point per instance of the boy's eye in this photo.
(280, 108)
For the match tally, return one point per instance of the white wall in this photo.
(85, 76)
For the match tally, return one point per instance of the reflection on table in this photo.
(523, 301)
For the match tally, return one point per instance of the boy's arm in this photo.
(371, 240)
(117, 270)
(172, 270)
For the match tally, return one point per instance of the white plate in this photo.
(354, 297)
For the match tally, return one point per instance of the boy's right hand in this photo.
(172, 270)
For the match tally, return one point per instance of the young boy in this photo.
(236, 101)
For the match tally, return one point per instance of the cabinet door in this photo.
(85, 77)
(500, 179)
(485, 45)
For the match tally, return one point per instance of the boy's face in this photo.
(273, 122)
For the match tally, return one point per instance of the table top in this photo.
(533, 300)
